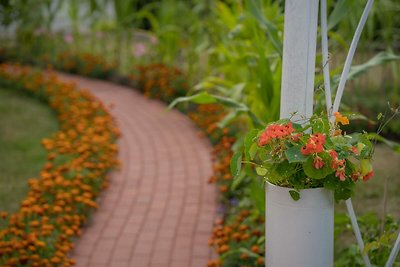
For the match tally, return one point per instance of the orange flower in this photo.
(341, 119)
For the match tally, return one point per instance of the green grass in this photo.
(24, 121)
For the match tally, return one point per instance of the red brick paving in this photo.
(159, 209)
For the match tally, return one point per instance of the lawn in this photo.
(24, 121)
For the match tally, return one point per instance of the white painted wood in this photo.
(299, 48)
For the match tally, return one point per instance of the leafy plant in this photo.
(378, 242)
(311, 155)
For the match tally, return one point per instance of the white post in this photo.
(299, 49)
(299, 233)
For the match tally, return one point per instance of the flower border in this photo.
(80, 155)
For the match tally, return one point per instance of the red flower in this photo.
(368, 176)
(264, 139)
(275, 131)
(354, 150)
(315, 144)
(336, 162)
(333, 154)
(340, 174)
(355, 176)
(318, 163)
(296, 137)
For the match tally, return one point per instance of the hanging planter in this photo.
(299, 233)
(306, 166)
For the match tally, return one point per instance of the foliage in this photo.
(379, 239)
(80, 155)
(314, 155)
(85, 64)
(160, 81)
(240, 241)
(230, 49)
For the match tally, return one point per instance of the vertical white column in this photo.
(299, 233)
(299, 49)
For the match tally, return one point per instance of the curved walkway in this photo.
(159, 209)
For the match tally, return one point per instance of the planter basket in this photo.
(299, 233)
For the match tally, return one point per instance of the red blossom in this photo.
(318, 163)
(296, 137)
(368, 176)
(354, 150)
(355, 176)
(333, 154)
(275, 131)
(315, 144)
(340, 174)
(336, 162)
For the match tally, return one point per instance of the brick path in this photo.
(159, 209)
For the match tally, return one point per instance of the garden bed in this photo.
(79, 157)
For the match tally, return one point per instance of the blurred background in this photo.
(231, 48)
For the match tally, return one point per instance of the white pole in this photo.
(325, 58)
(309, 241)
(299, 48)
(394, 253)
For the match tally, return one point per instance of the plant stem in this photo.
(384, 204)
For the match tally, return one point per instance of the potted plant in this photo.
(307, 165)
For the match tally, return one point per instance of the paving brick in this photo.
(159, 209)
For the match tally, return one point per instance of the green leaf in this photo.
(331, 183)
(253, 151)
(227, 119)
(343, 193)
(261, 171)
(294, 194)
(320, 125)
(236, 163)
(281, 171)
(370, 246)
(238, 180)
(228, 102)
(249, 141)
(379, 59)
(255, 8)
(257, 194)
(314, 173)
(293, 155)
(342, 7)
(200, 98)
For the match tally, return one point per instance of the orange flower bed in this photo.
(85, 64)
(80, 155)
(236, 237)
(160, 81)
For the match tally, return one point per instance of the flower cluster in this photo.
(315, 144)
(85, 64)
(80, 155)
(160, 81)
(275, 132)
(314, 155)
(241, 234)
